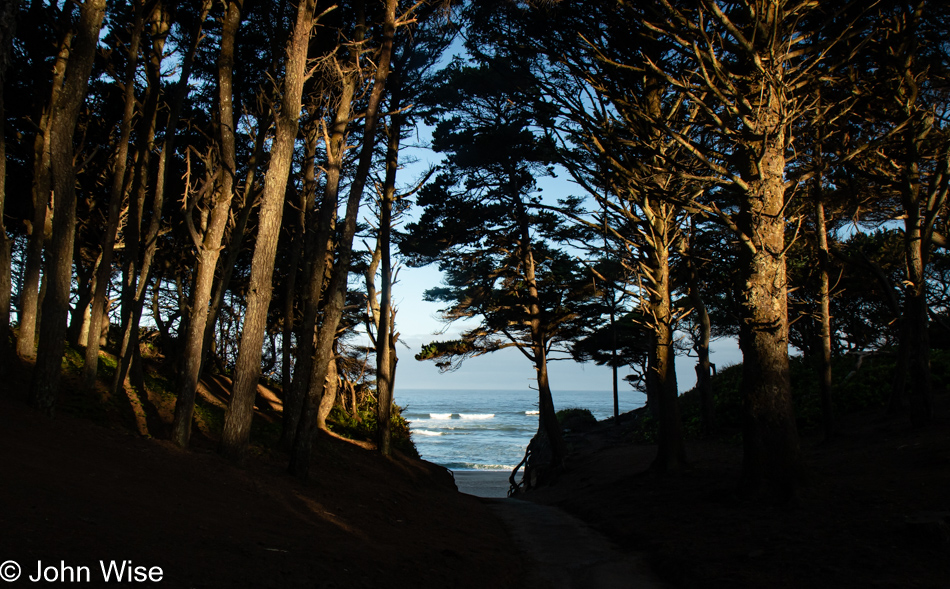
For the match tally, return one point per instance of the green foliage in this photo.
(365, 426)
(434, 350)
(576, 419)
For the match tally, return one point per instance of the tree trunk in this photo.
(614, 381)
(824, 302)
(65, 114)
(237, 420)
(209, 245)
(135, 271)
(771, 448)
(915, 320)
(546, 460)
(333, 312)
(130, 325)
(701, 343)
(116, 196)
(671, 453)
(85, 281)
(8, 13)
(328, 399)
(234, 246)
(320, 243)
(305, 202)
(547, 448)
(385, 340)
(39, 229)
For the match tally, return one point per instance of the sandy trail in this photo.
(565, 553)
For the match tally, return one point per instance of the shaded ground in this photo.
(79, 492)
(565, 553)
(875, 512)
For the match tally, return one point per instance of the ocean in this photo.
(489, 430)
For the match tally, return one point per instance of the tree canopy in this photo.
(199, 176)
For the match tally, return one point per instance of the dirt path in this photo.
(565, 553)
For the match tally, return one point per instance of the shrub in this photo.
(364, 428)
(576, 419)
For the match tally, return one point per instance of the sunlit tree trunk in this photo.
(237, 420)
(661, 373)
(65, 114)
(824, 314)
(238, 231)
(770, 436)
(208, 245)
(328, 399)
(304, 205)
(295, 400)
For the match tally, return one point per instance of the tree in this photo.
(607, 110)
(236, 432)
(336, 290)
(416, 56)
(906, 151)
(117, 194)
(746, 66)
(8, 12)
(208, 242)
(480, 224)
(64, 115)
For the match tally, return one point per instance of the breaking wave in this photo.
(474, 466)
(476, 415)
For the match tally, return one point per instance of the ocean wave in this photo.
(440, 416)
(474, 466)
(476, 415)
(426, 432)
(535, 412)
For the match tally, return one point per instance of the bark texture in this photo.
(771, 448)
(65, 114)
(237, 420)
(333, 311)
(208, 246)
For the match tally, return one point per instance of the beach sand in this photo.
(483, 483)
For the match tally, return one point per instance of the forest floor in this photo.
(874, 512)
(95, 485)
(80, 492)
